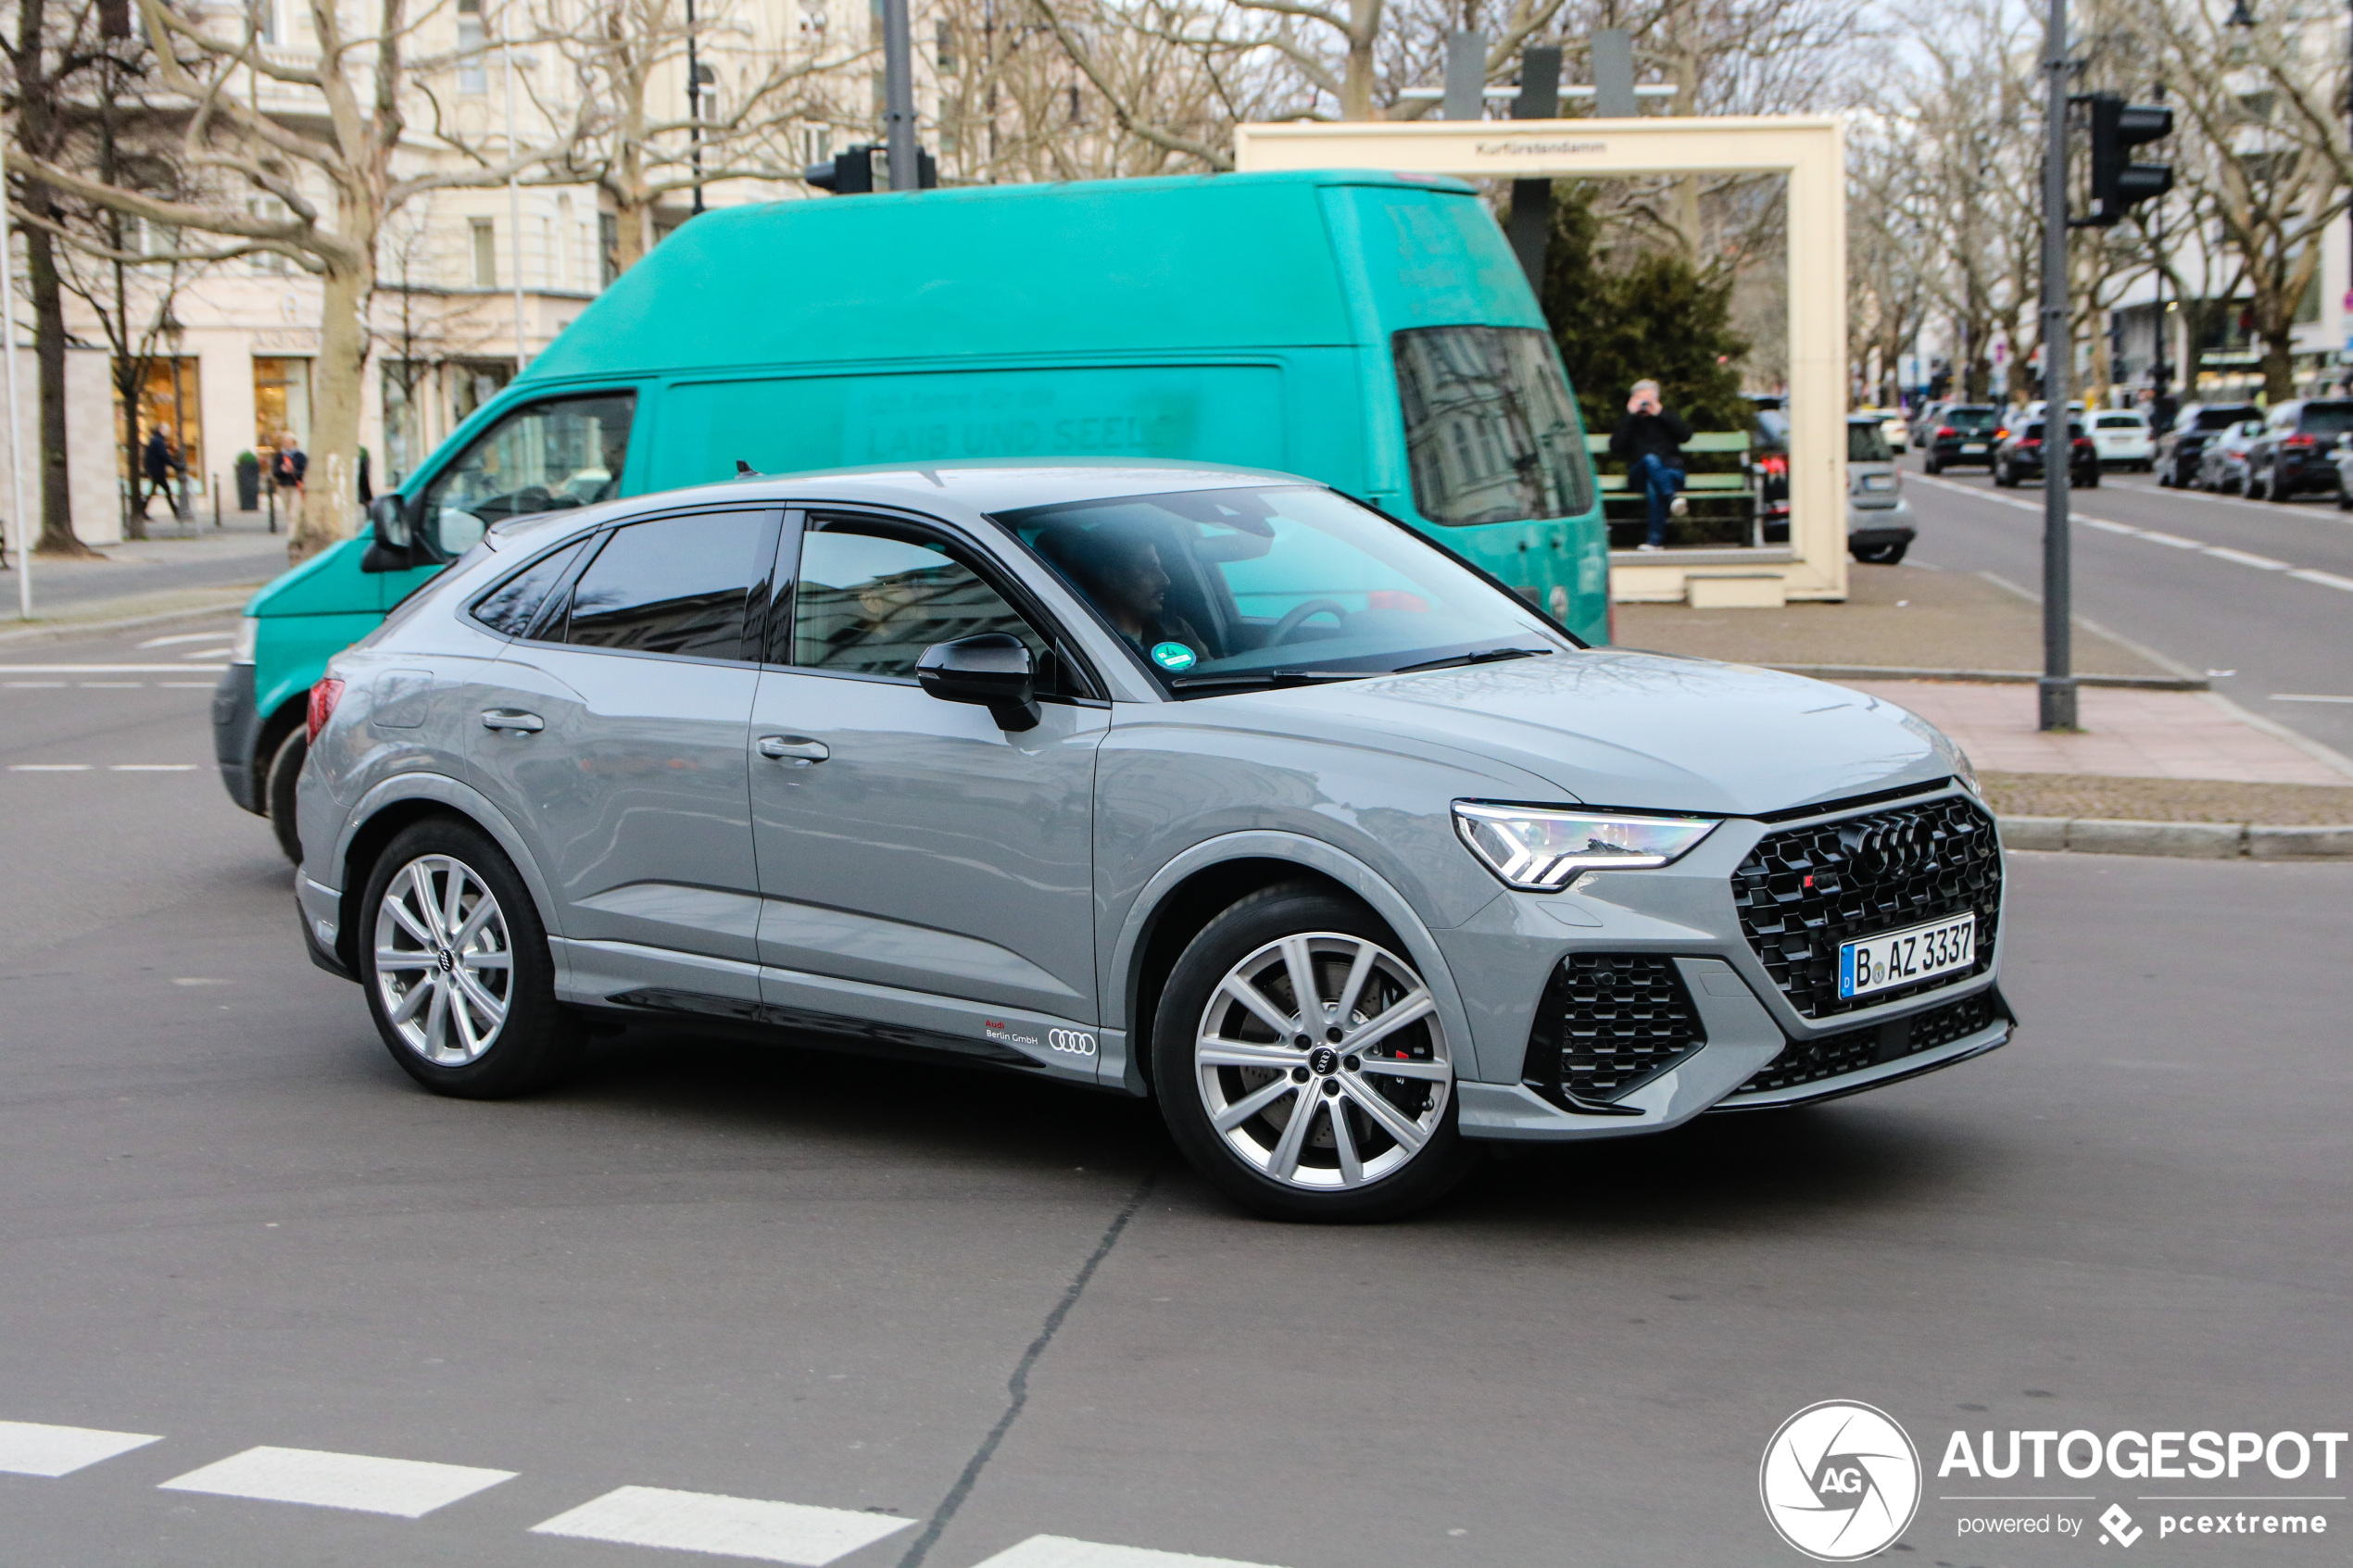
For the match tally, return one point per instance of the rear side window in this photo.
(1868, 444)
(2326, 419)
(510, 608)
(872, 596)
(676, 584)
(1491, 434)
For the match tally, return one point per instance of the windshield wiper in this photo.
(1490, 656)
(1266, 678)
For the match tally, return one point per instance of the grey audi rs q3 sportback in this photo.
(1203, 784)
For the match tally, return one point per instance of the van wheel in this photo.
(1301, 1064)
(278, 790)
(455, 964)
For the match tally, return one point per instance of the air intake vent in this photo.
(1851, 1050)
(1609, 1024)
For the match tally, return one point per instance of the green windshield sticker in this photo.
(1172, 656)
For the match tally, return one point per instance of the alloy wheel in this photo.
(1321, 1062)
(444, 961)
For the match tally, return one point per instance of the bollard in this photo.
(273, 506)
(216, 500)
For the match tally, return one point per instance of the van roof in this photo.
(1222, 261)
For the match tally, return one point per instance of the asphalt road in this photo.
(2258, 596)
(1001, 1309)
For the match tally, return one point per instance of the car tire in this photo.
(278, 790)
(1216, 1052)
(1931, 466)
(2090, 481)
(2343, 501)
(2275, 494)
(460, 950)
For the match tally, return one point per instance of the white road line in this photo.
(48, 767)
(2174, 539)
(769, 1532)
(178, 637)
(406, 1487)
(2260, 563)
(2306, 697)
(27, 1448)
(2325, 578)
(2106, 527)
(109, 685)
(108, 668)
(1061, 1552)
(151, 766)
(210, 653)
(182, 685)
(29, 685)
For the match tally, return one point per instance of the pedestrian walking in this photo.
(1650, 441)
(161, 460)
(286, 471)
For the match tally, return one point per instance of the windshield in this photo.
(542, 456)
(1224, 589)
(1969, 419)
(1868, 444)
(2119, 421)
(1491, 434)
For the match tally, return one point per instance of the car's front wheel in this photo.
(1301, 1066)
(278, 790)
(455, 963)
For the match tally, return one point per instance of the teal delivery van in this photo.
(1371, 332)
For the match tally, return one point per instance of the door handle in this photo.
(512, 718)
(798, 750)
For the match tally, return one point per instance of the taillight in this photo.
(2298, 441)
(2031, 441)
(324, 698)
(1943, 431)
(2002, 434)
(1775, 465)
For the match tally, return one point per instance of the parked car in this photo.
(1964, 435)
(1922, 429)
(2178, 450)
(1879, 520)
(1383, 341)
(2018, 457)
(2121, 438)
(1893, 422)
(2295, 454)
(1168, 780)
(2222, 462)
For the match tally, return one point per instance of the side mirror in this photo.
(394, 544)
(993, 670)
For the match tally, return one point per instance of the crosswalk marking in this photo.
(27, 1448)
(769, 1532)
(1061, 1552)
(406, 1487)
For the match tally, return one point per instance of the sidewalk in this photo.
(177, 567)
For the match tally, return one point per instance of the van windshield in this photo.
(1491, 434)
(540, 458)
(1228, 589)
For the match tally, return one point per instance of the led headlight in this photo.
(248, 640)
(1539, 850)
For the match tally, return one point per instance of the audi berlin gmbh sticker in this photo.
(1841, 1481)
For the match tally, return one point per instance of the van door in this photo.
(904, 841)
(614, 738)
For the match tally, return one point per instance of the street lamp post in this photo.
(694, 104)
(2057, 686)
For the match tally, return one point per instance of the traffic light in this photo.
(865, 167)
(2118, 183)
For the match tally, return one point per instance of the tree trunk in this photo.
(331, 487)
(1364, 36)
(49, 348)
(2279, 367)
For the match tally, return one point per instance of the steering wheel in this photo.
(1288, 627)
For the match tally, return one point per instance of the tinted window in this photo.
(1868, 444)
(2119, 421)
(1491, 434)
(1970, 419)
(873, 596)
(2223, 418)
(510, 607)
(677, 585)
(2326, 419)
(565, 452)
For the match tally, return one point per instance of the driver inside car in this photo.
(1120, 572)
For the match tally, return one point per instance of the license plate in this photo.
(1971, 448)
(1898, 958)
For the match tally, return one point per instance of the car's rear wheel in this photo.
(1301, 1066)
(278, 790)
(455, 963)
(1881, 555)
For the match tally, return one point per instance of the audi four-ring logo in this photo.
(1077, 1042)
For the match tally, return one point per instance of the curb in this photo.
(1994, 677)
(59, 630)
(2196, 841)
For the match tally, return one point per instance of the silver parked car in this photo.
(1172, 780)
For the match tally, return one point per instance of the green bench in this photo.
(1718, 503)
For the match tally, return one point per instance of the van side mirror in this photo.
(393, 546)
(993, 670)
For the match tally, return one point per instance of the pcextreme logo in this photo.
(1840, 1481)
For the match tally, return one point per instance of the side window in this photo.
(510, 608)
(873, 596)
(565, 451)
(676, 584)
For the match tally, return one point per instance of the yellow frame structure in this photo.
(1808, 149)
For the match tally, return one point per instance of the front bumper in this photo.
(1755, 1049)
(236, 732)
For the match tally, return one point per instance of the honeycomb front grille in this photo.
(1804, 892)
(1609, 1024)
(1851, 1050)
